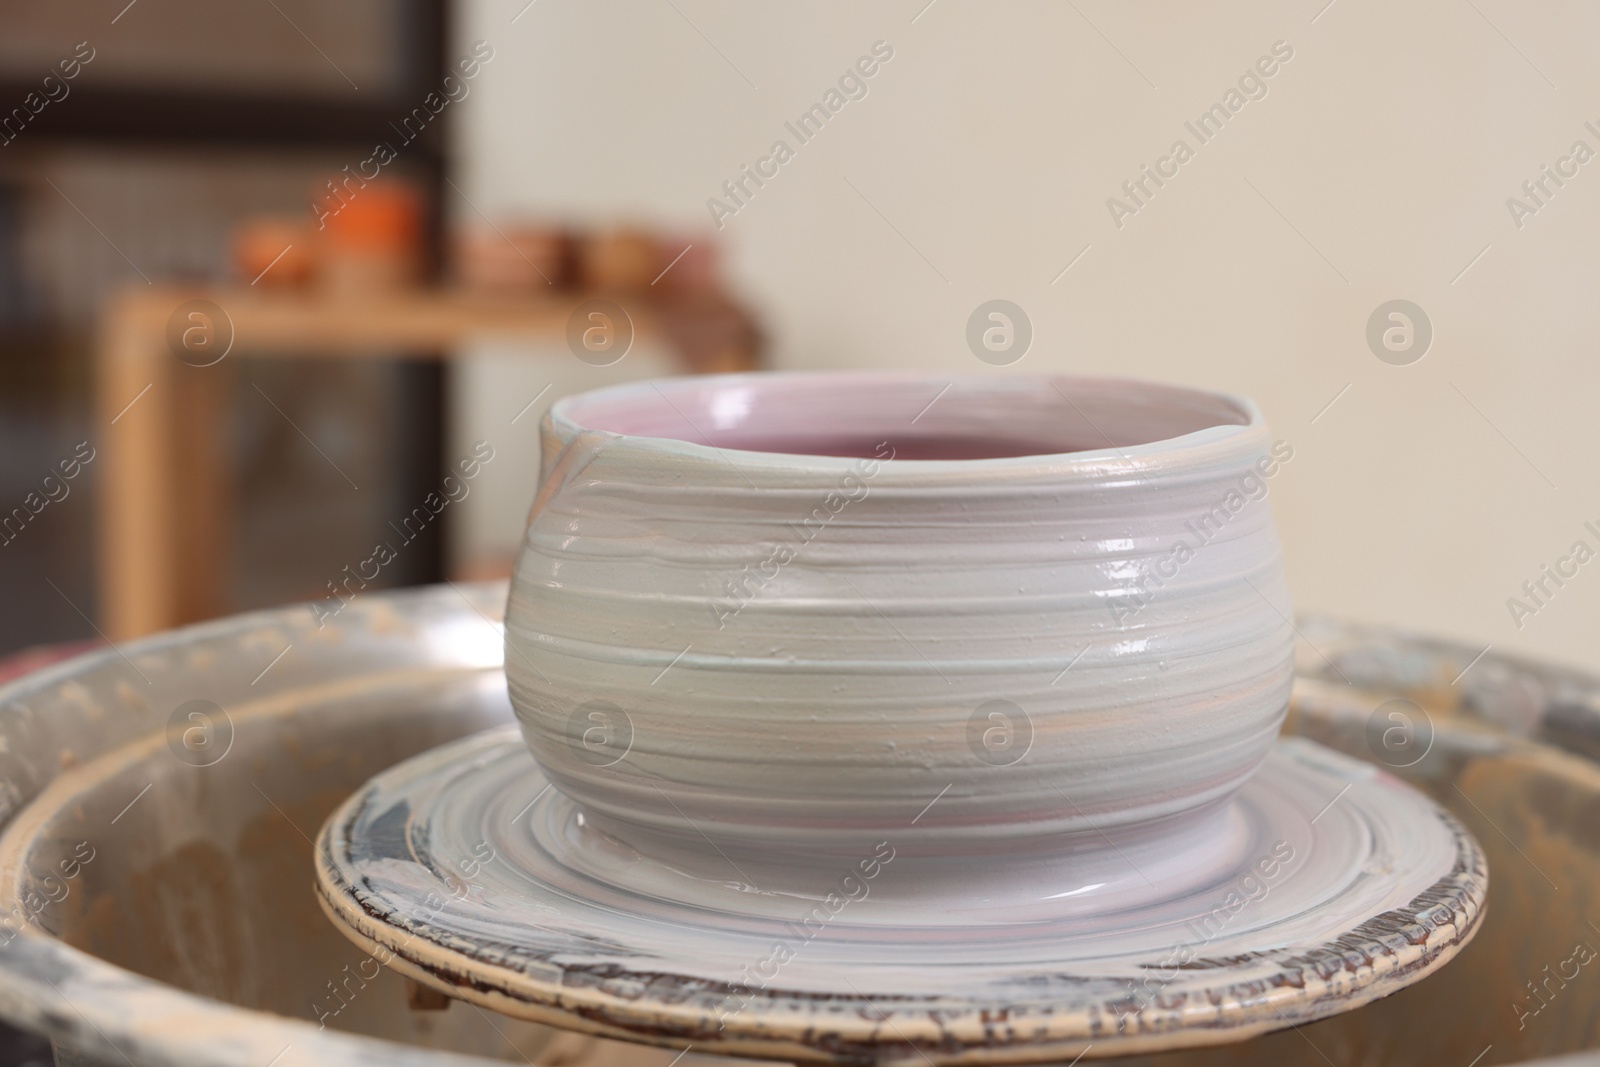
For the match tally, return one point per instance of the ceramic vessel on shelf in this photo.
(787, 613)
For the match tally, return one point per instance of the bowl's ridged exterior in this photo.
(802, 648)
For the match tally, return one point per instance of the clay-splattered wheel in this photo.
(1322, 885)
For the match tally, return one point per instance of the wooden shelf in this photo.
(165, 480)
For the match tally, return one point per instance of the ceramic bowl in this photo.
(805, 613)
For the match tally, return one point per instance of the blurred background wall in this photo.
(1373, 164)
(1377, 167)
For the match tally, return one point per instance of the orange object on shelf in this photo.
(275, 253)
(371, 236)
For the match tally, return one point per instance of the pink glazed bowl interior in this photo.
(849, 415)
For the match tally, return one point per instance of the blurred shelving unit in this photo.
(190, 116)
(167, 499)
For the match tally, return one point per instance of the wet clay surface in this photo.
(1529, 984)
(204, 882)
(150, 899)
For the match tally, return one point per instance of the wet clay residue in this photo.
(175, 920)
(233, 927)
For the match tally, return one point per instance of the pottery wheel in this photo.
(1322, 885)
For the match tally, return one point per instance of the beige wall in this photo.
(1377, 166)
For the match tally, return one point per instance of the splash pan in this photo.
(1324, 884)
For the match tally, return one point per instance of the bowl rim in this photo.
(1220, 444)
